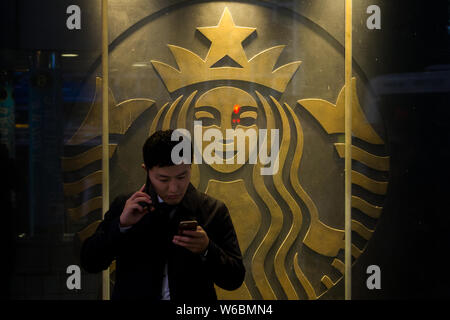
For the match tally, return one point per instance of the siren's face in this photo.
(228, 108)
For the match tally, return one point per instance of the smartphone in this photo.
(152, 193)
(187, 225)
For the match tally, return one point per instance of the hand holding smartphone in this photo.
(139, 204)
(134, 208)
(197, 241)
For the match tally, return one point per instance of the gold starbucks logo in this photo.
(289, 250)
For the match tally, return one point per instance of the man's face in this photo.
(171, 183)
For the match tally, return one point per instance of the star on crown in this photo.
(226, 41)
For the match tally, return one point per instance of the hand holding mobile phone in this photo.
(135, 208)
(197, 241)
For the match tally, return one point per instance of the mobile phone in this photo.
(187, 225)
(152, 193)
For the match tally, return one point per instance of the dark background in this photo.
(411, 244)
(412, 239)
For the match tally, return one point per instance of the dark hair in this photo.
(157, 149)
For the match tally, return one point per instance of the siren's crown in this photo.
(226, 41)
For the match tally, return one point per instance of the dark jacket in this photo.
(142, 251)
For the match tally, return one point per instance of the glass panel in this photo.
(402, 51)
(48, 50)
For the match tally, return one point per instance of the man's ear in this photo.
(144, 167)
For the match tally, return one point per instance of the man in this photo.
(153, 261)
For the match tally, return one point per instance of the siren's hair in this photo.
(157, 149)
